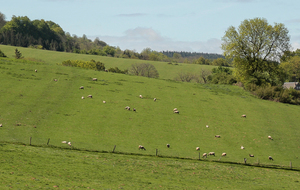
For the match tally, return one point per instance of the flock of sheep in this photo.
(175, 110)
(204, 155)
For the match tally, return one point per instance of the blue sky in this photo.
(190, 25)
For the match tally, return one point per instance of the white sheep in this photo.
(69, 143)
(204, 155)
(0, 124)
(35, 70)
(197, 148)
(134, 109)
(154, 99)
(223, 154)
(95, 79)
(81, 87)
(269, 137)
(127, 108)
(141, 96)
(82, 97)
(242, 147)
(64, 142)
(212, 153)
(168, 145)
(251, 155)
(218, 136)
(141, 147)
(104, 102)
(207, 126)
(90, 96)
(176, 111)
(55, 80)
(243, 116)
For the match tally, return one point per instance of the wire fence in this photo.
(119, 149)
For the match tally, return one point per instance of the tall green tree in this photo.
(256, 48)
(291, 69)
(2, 20)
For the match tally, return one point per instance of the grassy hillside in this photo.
(34, 105)
(165, 70)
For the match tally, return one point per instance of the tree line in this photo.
(41, 34)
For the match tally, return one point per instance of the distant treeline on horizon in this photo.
(41, 34)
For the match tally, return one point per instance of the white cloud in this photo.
(140, 38)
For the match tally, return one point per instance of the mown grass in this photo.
(27, 167)
(34, 105)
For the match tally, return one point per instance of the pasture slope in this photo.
(165, 70)
(34, 105)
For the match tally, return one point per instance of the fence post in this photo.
(291, 164)
(156, 152)
(245, 160)
(48, 141)
(199, 155)
(30, 141)
(114, 149)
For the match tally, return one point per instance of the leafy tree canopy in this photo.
(256, 48)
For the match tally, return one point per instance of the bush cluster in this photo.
(85, 64)
(276, 93)
(117, 70)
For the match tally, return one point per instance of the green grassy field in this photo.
(165, 70)
(34, 105)
(26, 167)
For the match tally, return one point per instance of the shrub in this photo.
(99, 66)
(117, 70)
(2, 54)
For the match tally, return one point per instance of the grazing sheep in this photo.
(35, 70)
(134, 109)
(141, 147)
(104, 102)
(197, 148)
(69, 143)
(141, 96)
(269, 137)
(218, 136)
(207, 126)
(55, 80)
(211, 153)
(223, 154)
(168, 145)
(243, 116)
(90, 96)
(270, 158)
(154, 99)
(251, 155)
(82, 97)
(106, 70)
(64, 142)
(242, 147)
(81, 87)
(0, 124)
(95, 79)
(176, 111)
(127, 108)
(204, 155)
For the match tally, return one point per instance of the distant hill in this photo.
(193, 55)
